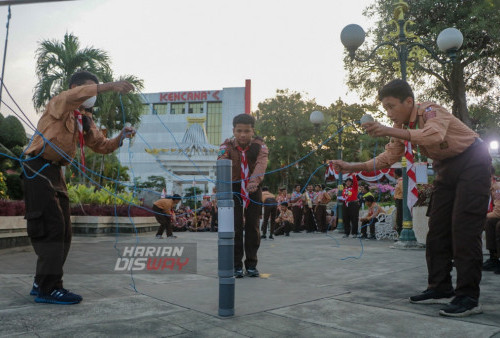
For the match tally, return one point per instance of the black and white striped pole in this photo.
(225, 209)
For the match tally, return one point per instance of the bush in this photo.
(3, 187)
(109, 210)
(15, 187)
(12, 208)
(89, 195)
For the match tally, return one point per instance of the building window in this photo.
(214, 122)
(159, 109)
(145, 109)
(177, 108)
(195, 108)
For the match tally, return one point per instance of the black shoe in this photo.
(287, 234)
(253, 272)
(271, 237)
(35, 290)
(431, 296)
(263, 236)
(497, 271)
(296, 231)
(59, 296)
(372, 237)
(363, 236)
(491, 264)
(238, 273)
(345, 236)
(461, 306)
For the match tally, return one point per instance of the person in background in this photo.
(270, 208)
(165, 215)
(307, 199)
(297, 208)
(371, 218)
(350, 207)
(492, 228)
(398, 199)
(322, 198)
(284, 220)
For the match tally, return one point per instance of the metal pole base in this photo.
(407, 240)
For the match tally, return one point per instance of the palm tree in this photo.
(57, 61)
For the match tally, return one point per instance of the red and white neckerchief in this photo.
(79, 123)
(245, 172)
(412, 197)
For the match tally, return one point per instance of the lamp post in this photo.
(404, 44)
(317, 118)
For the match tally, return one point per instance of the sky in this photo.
(187, 45)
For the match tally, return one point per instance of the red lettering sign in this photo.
(189, 96)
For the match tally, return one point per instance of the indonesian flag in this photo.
(412, 177)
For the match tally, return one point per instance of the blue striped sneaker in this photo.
(35, 290)
(59, 296)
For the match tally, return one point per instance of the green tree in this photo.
(153, 182)
(474, 73)
(58, 60)
(12, 132)
(193, 197)
(283, 122)
(114, 109)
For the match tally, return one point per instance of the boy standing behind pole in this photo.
(249, 161)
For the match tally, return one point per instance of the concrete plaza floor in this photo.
(312, 285)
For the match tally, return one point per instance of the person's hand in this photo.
(341, 166)
(128, 132)
(252, 187)
(375, 129)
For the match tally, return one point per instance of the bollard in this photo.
(225, 207)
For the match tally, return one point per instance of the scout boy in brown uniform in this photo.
(165, 215)
(46, 197)
(460, 199)
(249, 160)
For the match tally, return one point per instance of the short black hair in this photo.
(284, 204)
(244, 119)
(176, 197)
(370, 199)
(296, 185)
(349, 179)
(398, 172)
(265, 188)
(398, 88)
(82, 76)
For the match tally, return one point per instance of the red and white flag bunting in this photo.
(412, 177)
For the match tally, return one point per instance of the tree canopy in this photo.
(474, 74)
(283, 122)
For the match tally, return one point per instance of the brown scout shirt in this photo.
(257, 168)
(165, 204)
(58, 125)
(440, 136)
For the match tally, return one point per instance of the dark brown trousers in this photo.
(297, 218)
(269, 215)
(492, 229)
(456, 217)
(48, 221)
(350, 216)
(309, 219)
(320, 214)
(164, 220)
(247, 219)
(399, 215)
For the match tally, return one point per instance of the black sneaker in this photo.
(263, 236)
(345, 236)
(59, 296)
(238, 273)
(431, 296)
(35, 290)
(491, 264)
(253, 272)
(271, 237)
(364, 236)
(461, 306)
(372, 237)
(497, 271)
(287, 234)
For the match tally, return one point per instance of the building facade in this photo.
(180, 133)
